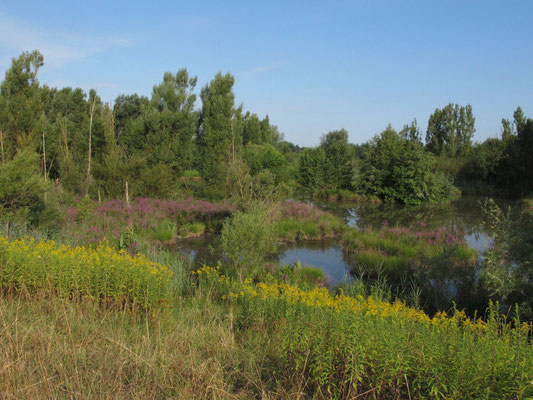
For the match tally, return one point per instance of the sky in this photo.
(312, 66)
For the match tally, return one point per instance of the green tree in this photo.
(338, 168)
(113, 168)
(311, 169)
(397, 169)
(172, 121)
(21, 104)
(217, 138)
(252, 132)
(520, 120)
(525, 158)
(411, 132)
(24, 195)
(507, 130)
(483, 164)
(450, 130)
(515, 172)
(127, 110)
(68, 115)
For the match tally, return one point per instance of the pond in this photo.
(464, 215)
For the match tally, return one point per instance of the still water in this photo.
(464, 215)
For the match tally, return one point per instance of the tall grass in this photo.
(51, 349)
(263, 337)
(399, 247)
(438, 263)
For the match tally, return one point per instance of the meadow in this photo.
(273, 335)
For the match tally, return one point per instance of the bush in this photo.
(24, 195)
(248, 238)
(508, 262)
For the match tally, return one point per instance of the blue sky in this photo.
(312, 66)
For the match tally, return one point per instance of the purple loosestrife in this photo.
(301, 210)
(111, 217)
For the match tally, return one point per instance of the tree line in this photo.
(168, 143)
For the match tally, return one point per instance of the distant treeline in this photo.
(169, 143)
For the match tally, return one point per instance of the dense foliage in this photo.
(399, 169)
(167, 144)
(24, 195)
(508, 262)
(247, 238)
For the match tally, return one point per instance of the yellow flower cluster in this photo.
(341, 303)
(211, 273)
(322, 298)
(103, 274)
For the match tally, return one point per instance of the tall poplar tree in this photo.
(450, 130)
(172, 120)
(217, 133)
(338, 169)
(21, 103)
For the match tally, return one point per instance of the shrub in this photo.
(508, 262)
(400, 170)
(24, 194)
(248, 238)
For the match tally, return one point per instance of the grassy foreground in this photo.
(221, 338)
(54, 349)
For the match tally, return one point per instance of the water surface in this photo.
(464, 215)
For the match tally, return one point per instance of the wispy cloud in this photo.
(263, 68)
(58, 48)
(85, 86)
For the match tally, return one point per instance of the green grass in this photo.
(164, 231)
(191, 173)
(192, 229)
(292, 229)
(274, 336)
(397, 249)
